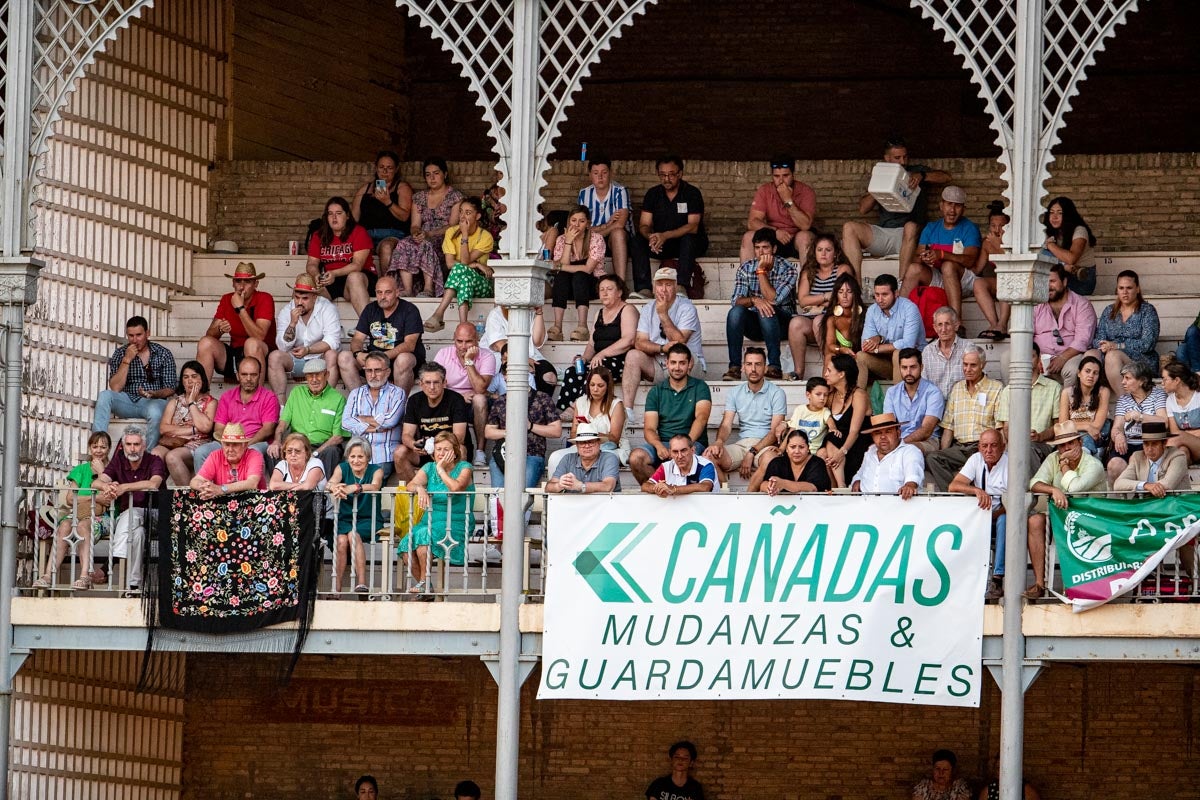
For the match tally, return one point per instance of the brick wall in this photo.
(1133, 202)
(422, 724)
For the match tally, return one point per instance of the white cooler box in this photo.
(889, 186)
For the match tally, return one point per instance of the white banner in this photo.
(752, 597)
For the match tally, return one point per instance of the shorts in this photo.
(654, 459)
(737, 450)
(967, 282)
(298, 364)
(233, 356)
(338, 287)
(379, 234)
(660, 368)
(886, 241)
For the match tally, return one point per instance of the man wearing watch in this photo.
(760, 407)
(897, 231)
(785, 205)
(234, 468)
(670, 319)
(390, 325)
(247, 316)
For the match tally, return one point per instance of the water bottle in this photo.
(479, 326)
(580, 368)
(545, 254)
(583, 152)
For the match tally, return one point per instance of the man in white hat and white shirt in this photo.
(670, 319)
(890, 465)
(589, 470)
(306, 329)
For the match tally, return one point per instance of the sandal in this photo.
(554, 333)
(990, 334)
(418, 588)
(40, 583)
(1000, 336)
(579, 335)
(433, 324)
(82, 584)
(795, 376)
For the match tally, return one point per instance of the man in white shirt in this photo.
(985, 477)
(669, 319)
(307, 328)
(889, 465)
(685, 472)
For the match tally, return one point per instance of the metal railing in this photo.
(70, 544)
(463, 554)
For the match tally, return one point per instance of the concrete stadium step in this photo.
(1159, 271)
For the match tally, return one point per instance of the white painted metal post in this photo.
(18, 110)
(519, 288)
(1024, 286)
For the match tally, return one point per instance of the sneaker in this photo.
(493, 555)
(774, 374)
(732, 374)
(995, 589)
(1034, 592)
(480, 458)
(641, 295)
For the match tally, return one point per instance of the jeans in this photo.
(1189, 349)
(747, 323)
(1001, 545)
(110, 402)
(533, 470)
(686, 248)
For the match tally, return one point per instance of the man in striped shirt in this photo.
(373, 411)
(608, 204)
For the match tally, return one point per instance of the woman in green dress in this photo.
(447, 518)
(355, 485)
(467, 247)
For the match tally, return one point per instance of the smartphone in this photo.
(380, 185)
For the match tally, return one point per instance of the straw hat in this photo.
(880, 422)
(234, 433)
(246, 271)
(1065, 432)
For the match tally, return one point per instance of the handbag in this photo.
(406, 513)
(172, 442)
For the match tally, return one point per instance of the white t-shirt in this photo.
(996, 483)
(496, 330)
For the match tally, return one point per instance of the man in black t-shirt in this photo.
(671, 225)
(429, 412)
(390, 325)
(679, 785)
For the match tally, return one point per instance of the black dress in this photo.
(841, 432)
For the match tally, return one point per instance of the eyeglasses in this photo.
(669, 174)
(1058, 338)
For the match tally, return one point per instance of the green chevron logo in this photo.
(590, 563)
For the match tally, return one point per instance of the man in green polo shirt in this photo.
(679, 406)
(316, 411)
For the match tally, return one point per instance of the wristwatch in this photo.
(788, 204)
(224, 489)
(753, 451)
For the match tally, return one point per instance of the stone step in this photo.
(1159, 271)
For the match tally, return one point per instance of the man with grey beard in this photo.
(373, 411)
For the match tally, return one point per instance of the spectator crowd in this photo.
(896, 400)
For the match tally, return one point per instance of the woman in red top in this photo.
(339, 256)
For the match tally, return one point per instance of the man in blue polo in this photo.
(917, 403)
(946, 252)
(760, 406)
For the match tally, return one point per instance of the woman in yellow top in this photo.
(466, 247)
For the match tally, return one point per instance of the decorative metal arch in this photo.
(1063, 38)
(483, 38)
(66, 35)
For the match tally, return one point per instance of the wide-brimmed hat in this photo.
(234, 433)
(246, 271)
(586, 432)
(879, 422)
(305, 283)
(1155, 431)
(666, 274)
(314, 365)
(1065, 432)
